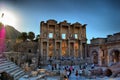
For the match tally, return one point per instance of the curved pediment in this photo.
(76, 24)
(65, 23)
(52, 21)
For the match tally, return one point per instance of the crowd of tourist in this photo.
(67, 70)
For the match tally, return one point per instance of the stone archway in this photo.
(95, 57)
(115, 56)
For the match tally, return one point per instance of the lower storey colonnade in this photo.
(57, 49)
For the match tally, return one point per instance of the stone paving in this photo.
(72, 77)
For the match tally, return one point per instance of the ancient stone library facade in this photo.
(62, 40)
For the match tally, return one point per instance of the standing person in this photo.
(68, 73)
(57, 66)
(80, 72)
(71, 68)
(52, 68)
(92, 66)
(76, 74)
(80, 66)
(84, 67)
(86, 64)
(49, 66)
(65, 74)
(63, 67)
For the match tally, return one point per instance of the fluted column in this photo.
(81, 49)
(85, 51)
(41, 50)
(55, 48)
(69, 48)
(47, 52)
(61, 49)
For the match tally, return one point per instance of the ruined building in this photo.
(105, 51)
(58, 40)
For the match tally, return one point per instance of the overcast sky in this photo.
(102, 16)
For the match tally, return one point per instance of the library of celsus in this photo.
(62, 40)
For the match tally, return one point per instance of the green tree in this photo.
(31, 36)
(23, 36)
(37, 38)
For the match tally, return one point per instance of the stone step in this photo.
(18, 73)
(14, 72)
(13, 69)
(5, 63)
(3, 59)
(7, 66)
(19, 76)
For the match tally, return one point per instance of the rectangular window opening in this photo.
(50, 35)
(63, 36)
(76, 36)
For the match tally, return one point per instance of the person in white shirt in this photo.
(80, 72)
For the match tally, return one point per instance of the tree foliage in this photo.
(23, 36)
(31, 36)
(37, 38)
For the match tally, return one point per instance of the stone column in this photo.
(109, 57)
(48, 30)
(60, 41)
(41, 50)
(81, 49)
(85, 51)
(69, 48)
(47, 50)
(55, 49)
(99, 57)
(73, 49)
(60, 49)
(106, 57)
(60, 30)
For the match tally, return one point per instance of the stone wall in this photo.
(107, 49)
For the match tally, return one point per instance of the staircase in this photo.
(11, 68)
